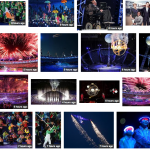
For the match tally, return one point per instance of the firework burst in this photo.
(137, 84)
(15, 46)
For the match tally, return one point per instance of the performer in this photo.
(138, 19)
(103, 96)
(82, 97)
(146, 14)
(48, 137)
(134, 11)
(142, 134)
(49, 7)
(92, 9)
(127, 141)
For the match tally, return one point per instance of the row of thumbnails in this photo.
(115, 52)
(14, 91)
(91, 14)
(81, 129)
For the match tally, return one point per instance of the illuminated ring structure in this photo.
(119, 47)
(101, 52)
(92, 90)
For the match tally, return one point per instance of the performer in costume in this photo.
(142, 134)
(127, 141)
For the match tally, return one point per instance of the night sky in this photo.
(59, 43)
(103, 120)
(128, 119)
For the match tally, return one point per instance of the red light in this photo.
(129, 129)
(146, 119)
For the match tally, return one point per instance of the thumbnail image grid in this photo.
(97, 14)
(88, 130)
(53, 13)
(133, 129)
(15, 130)
(48, 129)
(12, 12)
(114, 52)
(18, 52)
(99, 91)
(59, 52)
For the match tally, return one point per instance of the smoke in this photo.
(120, 36)
(83, 132)
(99, 134)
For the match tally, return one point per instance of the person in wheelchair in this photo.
(95, 15)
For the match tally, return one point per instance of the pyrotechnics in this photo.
(84, 133)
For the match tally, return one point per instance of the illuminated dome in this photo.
(148, 40)
(108, 38)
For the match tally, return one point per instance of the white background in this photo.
(78, 75)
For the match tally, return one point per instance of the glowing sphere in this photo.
(108, 38)
(148, 40)
(122, 120)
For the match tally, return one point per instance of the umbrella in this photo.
(47, 2)
(55, 11)
(63, 1)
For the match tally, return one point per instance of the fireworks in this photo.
(83, 132)
(13, 84)
(136, 84)
(18, 46)
(98, 133)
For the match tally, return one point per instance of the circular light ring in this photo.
(92, 90)
(144, 118)
(131, 127)
(119, 44)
